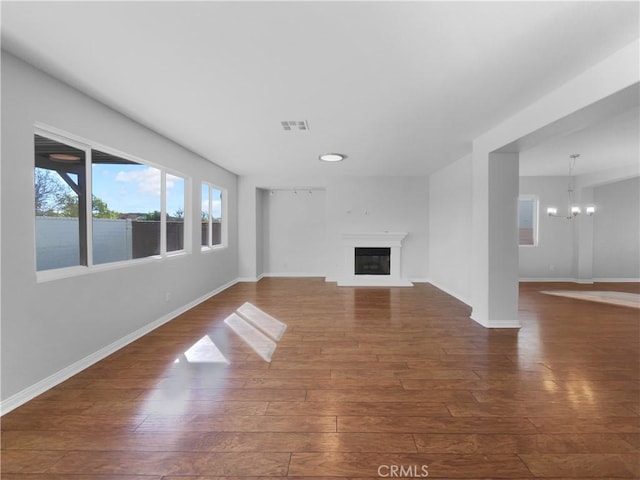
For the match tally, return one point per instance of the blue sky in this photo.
(136, 189)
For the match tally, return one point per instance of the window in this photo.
(126, 208)
(213, 228)
(136, 211)
(60, 187)
(175, 195)
(528, 220)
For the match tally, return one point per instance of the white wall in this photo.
(353, 205)
(616, 230)
(48, 326)
(293, 240)
(449, 243)
(553, 257)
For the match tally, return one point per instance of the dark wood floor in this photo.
(363, 381)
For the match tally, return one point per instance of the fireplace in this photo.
(372, 261)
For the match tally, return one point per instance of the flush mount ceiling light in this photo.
(64, 157)
(332, 157)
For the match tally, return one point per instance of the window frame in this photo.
(223, 212)
(535, 219)
(186, 246)
(88, 146)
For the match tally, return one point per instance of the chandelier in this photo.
(573, 209)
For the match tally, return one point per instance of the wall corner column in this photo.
(583, 238)
(495, 239)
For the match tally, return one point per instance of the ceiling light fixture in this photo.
(332, 157)
(573, 210)
(64, 157)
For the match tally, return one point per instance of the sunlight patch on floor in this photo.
(625, 299)
(258, 341)
(204, 351)
(262, 320)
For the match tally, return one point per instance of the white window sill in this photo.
(75, 271)
(213, 248)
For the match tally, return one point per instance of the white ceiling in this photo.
(401, 88)
(611, 143)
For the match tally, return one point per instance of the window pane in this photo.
(126, 209)
(526, 220)
(216, 216)
(205, 215)
(175, 213)
(60, 211)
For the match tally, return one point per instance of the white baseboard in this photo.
(578, 280)
(250, 279)
(293, 275)
(497, 323)
(550, 279)
(617, 280)
(374, 283)
(51, 381)
(419, 280)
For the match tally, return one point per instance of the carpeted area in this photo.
(624, 299)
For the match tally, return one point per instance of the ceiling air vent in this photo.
(294, 125)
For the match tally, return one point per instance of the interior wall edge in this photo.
(449, 291)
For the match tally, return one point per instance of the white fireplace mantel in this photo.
(390, 240)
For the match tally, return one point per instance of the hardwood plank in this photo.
(587, 425)
(434, 425)
(235, 394)
(324, 383)
(229, 423)
(383, 395)
(515, 409)
(76, 441)
(173, 463)
(358, 408)
(53, 476)
(177, 406)
(28, 461)
(517, 443)
(70, 422)
(581, 465)
(308, 442)
(367, 464)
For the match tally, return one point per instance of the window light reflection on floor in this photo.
(262, 320)
(258, 341)
(204, 351)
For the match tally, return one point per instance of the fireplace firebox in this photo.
(372, 261)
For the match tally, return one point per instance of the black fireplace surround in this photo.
(372, 261)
